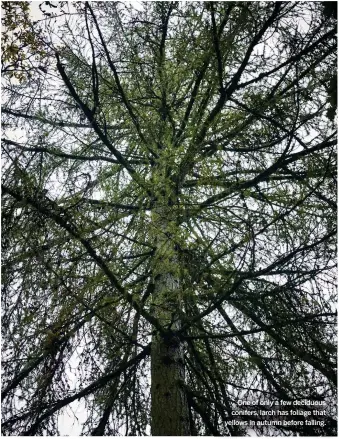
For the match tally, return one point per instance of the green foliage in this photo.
(168, 192)
(21, 45)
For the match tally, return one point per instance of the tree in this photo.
(20, 46)
(169, 218)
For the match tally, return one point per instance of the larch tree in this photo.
(168, 216)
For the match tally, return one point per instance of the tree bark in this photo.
(169, 411)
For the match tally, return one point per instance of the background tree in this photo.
(22, 51)
(169, 217)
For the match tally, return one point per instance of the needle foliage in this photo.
(168, 216)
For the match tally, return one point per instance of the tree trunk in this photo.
(169, 412)
(169, 405)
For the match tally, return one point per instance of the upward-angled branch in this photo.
(225, 93)
(118, 83)
(328, 35)
(99, 383)
(102, 136)
(217, 48)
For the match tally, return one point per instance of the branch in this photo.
(99, 383)
(25, 371)
(225, 93)
(228, 293)
(203, 415)
(103, 204)
(261, 329)
(118, 83)
(65, 155)
(60, 123)
(88, 113)
(301, 354)
(217, 47)
(266, 174)
(60, 216)
(293, 58)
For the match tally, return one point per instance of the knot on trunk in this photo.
(171, 339)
